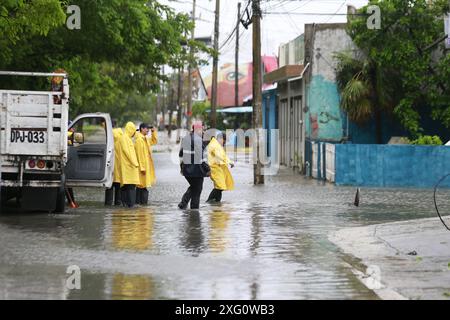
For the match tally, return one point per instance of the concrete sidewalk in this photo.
(401, 260)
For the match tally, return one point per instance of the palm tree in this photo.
(365, 93)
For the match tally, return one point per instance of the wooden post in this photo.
(236, 63)
(171, 104)
(191, 57)
(236, 70)
(179, 102)
(258, 177)
(158, 108)
(213, 115)
(163, 107)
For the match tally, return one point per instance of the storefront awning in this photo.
(234, 110)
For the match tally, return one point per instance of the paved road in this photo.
(264, 242)
(411, 258)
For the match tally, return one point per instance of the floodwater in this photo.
(262, 242)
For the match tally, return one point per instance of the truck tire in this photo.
(61, 197)
(60, 202)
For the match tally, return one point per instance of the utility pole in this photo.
(158, 107)
(258, 177)
(179, 102)
(163, 107)
(236, 70)
(236, 63)
(215, 67)
(155, 110)
(171, 103)
(191, 57)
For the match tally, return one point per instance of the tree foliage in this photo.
(428, 140)
(406, 52)
(21, 19)
(113, 61)
(365, 93)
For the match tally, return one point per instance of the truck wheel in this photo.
(60, 201)
(61, 197)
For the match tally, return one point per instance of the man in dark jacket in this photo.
(194, 166)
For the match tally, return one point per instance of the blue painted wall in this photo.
(391, 165)
(324, 120)
(270, 115)
(366, 133)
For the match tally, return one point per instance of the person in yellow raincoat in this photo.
(220, 174)
(113, 195)
(129, 166)
(143, 145)
(70, 196)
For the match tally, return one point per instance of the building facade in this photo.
(308, 99)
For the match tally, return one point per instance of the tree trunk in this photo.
(376, 104)
(378, 126)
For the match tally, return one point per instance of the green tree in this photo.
(428, 140)
(364, 92)
(200, 109)
(113, 61)
(406, 54)
(21, 19)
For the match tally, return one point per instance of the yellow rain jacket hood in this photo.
(129, 166)
(143, 147)
(218, 162)
(117, 134)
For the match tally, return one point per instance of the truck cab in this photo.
(41, 154)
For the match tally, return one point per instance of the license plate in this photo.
(19, 136)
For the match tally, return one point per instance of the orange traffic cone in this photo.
(72, 203)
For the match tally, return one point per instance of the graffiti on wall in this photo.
(324, 110)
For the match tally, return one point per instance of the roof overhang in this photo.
(284, 73)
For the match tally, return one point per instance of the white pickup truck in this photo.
(41, 155)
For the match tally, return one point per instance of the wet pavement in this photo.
(402, 260)
(262, 242)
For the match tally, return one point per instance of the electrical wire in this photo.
(233, 32)
(340, 7)
(435, 203)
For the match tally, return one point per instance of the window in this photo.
(89, 131)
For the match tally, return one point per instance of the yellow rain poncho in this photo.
(129, 166)
(69, 138)
(117, 133)
(218, 161)
(143, 146)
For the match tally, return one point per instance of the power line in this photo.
(340, 7)
(230, 36)
(313, 13)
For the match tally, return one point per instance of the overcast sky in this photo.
(282, 22)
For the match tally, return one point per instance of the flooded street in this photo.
(264, 242)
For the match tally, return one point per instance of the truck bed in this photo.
(31, 124)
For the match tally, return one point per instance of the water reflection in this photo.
(264, 243)
(219, 220)
(133, 230)
(132, 287)
(255, 232)
(192, 238)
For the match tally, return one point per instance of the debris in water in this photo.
(357, 198)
